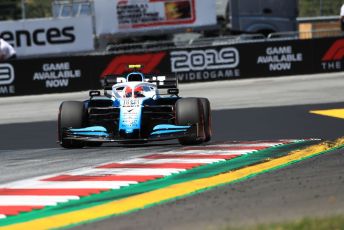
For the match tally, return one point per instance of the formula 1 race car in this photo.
(139, 109)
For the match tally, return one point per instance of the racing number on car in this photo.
(131, 103)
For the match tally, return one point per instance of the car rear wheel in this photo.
(207, 119)
(93, 144)
(189, 111)
(71, 114)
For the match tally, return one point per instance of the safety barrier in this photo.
(214, 60)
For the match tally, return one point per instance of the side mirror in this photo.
(173, 91)
(94, 93)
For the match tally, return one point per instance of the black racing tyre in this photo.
(71, 114)
(93, 144)
(207, 119)
(189, 111)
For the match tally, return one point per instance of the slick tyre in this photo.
(207, 119)
(71, 114)
(189, 111)
(93, 144)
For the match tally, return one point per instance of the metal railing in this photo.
(195, 42)
(318, 19)
(134, 47)
(220, 41)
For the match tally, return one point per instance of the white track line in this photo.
(211, 152)
(262, 144)
(125, 171)
(34, 200)
(2, 216)
(174, 160)
(70, 184)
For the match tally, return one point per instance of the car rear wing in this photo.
(169, 83)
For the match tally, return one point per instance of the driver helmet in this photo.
(138, 91)
(128, 91)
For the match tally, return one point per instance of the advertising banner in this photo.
(242, 61)
(127, 16)
(7, 77)
(153, 62)
(277, 58)
(205, 64)
(246, 60)
(46, 75)
(48, 36)
(329, 56)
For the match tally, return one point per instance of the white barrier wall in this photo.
(49, 36)
(130, 16)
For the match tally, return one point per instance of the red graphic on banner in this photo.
(119, 64)
(175, 12)
(336, 52)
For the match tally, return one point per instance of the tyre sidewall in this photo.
(189, 111)
(72, 114)
(207, 119)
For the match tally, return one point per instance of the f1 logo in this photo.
(335, 52)
(6, 74)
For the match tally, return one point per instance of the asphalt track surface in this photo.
(310, 188)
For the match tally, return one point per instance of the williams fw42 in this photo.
(134, 108)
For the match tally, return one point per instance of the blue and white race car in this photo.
(138, 109)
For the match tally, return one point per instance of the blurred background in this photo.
(105, 33)
(18, 9)
(311, 8)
